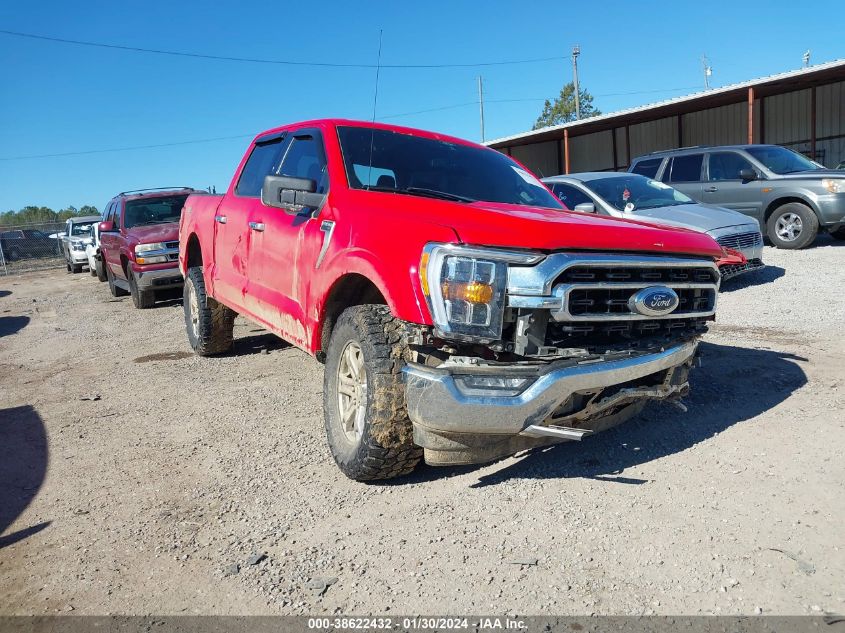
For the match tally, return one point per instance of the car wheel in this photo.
(792, 226)
(209, 323)
(838, 234)
(76, 268)
(367, 426)
(100, 270)
(13, 254)
(141, 299)
(115, 290)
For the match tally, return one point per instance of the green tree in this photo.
(562, 110)
(43, 215)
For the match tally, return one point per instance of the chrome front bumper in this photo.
(437, 402)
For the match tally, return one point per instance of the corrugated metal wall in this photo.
(541, 158)
(784, 119)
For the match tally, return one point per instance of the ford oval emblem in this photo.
(654, 301)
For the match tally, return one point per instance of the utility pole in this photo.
(481, 105)
(576, 50)
(705, 64)
(806, 58)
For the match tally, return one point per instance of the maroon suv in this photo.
(139, 242)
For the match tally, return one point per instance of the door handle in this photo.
(256, 226)
(711, 189)
(220, 218)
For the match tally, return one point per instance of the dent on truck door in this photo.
(282, 256)
(232, 233)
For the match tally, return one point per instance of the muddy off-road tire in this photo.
(367, 426)
(792, 226)
(113, 289)
(209, 324)
(141, 299)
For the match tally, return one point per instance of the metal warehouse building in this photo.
(802, 109)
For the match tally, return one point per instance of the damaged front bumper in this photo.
(457, 421)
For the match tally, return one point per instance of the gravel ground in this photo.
(189, 485)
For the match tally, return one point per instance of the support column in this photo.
(813, 123)
(751, 115)
(566, 150)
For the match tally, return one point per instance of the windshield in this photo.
(631, 193)
(427, 167)
(158, 210)
(81, 229)
(781, 160)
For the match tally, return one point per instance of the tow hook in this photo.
(678, 404)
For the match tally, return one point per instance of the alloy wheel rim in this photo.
(194, 309)
(352, 391)
(789, 227)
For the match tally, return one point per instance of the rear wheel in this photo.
(76, 268)
(209, 323)
(141, 299)
(13, 254)
(100, 270)
(115, 290)
(367, 425)
(792, 226)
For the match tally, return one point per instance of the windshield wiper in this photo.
(434, 193)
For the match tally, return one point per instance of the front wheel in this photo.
(142, 299)
(209, 323)
(367, 426)
(792, 226)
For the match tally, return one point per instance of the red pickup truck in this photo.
(462, 313)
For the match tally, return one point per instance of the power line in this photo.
(126, 149)
(257, 60)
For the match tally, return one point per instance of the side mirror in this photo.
(747, 175)
(290, 194)
(585, 207)
(107, 227)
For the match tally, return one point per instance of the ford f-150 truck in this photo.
(462, 313)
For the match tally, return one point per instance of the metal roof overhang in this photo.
(736, 93)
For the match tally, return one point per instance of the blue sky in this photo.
(61, 98)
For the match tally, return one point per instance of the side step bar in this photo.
(558, 432)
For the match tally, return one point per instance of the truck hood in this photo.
(168, 232)
(518, 226)
(697, 217)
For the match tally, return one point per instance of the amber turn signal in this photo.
(472, 292)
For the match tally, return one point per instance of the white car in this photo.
(76, 238)
(92, 251)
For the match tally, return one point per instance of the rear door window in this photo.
(261, 163)
(684, 168)
(647, 167)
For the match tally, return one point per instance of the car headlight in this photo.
(465, 288)
(834, 185)
(153, 246)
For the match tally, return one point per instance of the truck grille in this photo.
(172, 245)
(606, 335)
(614, 301)
(738, 241)
(638, 274)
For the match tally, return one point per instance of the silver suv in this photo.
(790, 196)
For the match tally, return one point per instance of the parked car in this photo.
(139, 242)
(461, 312)
(92, 251)
(18, 243)
(636, 197)
(75, 240)
(790, 196)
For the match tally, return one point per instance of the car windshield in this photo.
(81, 229)
(384, 160)
(159, 210)
(781, 160)
(632, 193)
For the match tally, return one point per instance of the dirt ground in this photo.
(136, 478)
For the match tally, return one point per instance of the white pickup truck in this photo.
(77, 236)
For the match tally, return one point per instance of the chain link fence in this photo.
(29, 247)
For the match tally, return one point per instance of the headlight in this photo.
(154, 246)
(465, 288)
(155, 259)
(834, 185)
